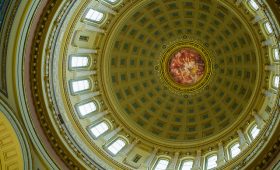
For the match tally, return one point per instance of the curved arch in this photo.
(13, 141)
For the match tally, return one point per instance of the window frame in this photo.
(79, 67)
(230, 155)
(93, 21)
(274, 52)
(273, 81)
(74, 93)
(106, 147)
(96, 124)
(88, 114)
(268, 27)
(251, 5)
(185, 160)
(207, 158)
(251, 127)
(161, 158)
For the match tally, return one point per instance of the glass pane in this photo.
(87, 108)
(276, 54)
(80, 85)
(212, 162)
(253, 4)
(254, 132)
(99, 129)
(161, 165)
(116, 146)
(276, 81)
(187, 165)
(79, 61)
(94, 15)
(268, 27)
(234, 150)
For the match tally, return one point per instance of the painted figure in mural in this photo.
(186, 66)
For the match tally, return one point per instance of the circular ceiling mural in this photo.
(186, 66)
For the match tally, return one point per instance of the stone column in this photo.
(112, 134)
(197, 161)
(259, 120)
(242, 140)
(83, 73)
(151, 158)
(105, 9)
(267, 42)
(238, 2)
(257, 19)
(129, 147)
(172, 165)
(268, 93)
(221, 155)
(97, 116)
(88, 95)
(273, 68)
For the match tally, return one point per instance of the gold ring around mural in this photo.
(185, 67)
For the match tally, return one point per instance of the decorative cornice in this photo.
(36, 86)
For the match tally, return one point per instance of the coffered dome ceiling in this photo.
(139, 97)
(128, 84)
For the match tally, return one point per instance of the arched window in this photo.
(80, 85)
(234, 150)
(268, 27)
(78, 61)
(116, 146)
(187, 165)
(211, 162)
(94, 15)
(254, 4)
(276, 54)
(276, 81)
(161, 164)
(87, 108)
(99, 129)
(254, 131)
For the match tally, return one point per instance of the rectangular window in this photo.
(276, 54)
(211, 162)
(116, 146)
(268, 27)
(253, 4)
(99, 129)
(254, 132)
(234, 150)
(80, 85)
(276, 81)
(94, 15)
(79, 61)
(87, 108)
(161, 164)
(187, 165)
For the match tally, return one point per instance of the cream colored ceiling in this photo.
(138, 95)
